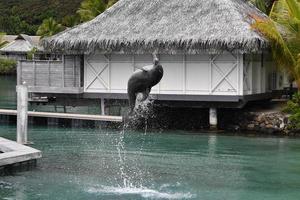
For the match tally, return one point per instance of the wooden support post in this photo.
(49, 74)
(22, 117)
(63, 71)
(213, 118)
(34, 73)
(74, 71)
(19, 73)
(102, 106)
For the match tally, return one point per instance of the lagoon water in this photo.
(112, 164)
(127, 165)
(8, 96)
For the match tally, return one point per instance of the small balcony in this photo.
(52, 76)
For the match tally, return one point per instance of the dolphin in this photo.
(142, 80)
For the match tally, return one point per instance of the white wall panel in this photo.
(94, 81)
(256, 75)
(197, 77)
(120, 73)
(172, 81)
(190, 74)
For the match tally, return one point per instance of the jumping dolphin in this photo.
(142, 80)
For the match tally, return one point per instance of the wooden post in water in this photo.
(213, 118)
(102, 106)
(22, 116)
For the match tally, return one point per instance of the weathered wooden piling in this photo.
(102, 106)
(213, 118)
(22, 114)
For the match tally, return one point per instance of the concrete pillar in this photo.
(22, 117)
(213, 118)
(102, 107)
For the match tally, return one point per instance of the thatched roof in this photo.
(9, 38)
(165, 26)
(21, 44)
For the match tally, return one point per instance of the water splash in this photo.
(143, 111)
(132, 174)
(133, 170)
(143, 192)
(122, 158)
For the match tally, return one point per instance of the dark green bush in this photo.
(7, 66)
(293, 108)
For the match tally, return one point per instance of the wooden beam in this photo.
(56, 90)
(107, 118)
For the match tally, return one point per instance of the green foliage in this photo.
(89, 9)
(7, 66)
(293, 108)
(30, 54)
(111, 3)
(19, 16)
(263, 5)
(71, 20)
(283, 32)
(2, 42)
(49, 27)
(260, 4)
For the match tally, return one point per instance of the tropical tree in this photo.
(263, 5)
(89, 9)
(49, 27)
(111, 2)
(260, 4)
(2, 42)
(70, 20)
(282, 28)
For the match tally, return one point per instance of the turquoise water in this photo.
(111, 164)
(8, 96)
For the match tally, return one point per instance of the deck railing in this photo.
(49, 76)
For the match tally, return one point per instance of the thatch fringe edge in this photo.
(250, 45)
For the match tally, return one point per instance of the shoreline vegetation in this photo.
(7, 66)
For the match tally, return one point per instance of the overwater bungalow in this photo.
(19, 46)
(210, 55)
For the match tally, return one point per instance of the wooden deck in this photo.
(66, 116)
(16, 153)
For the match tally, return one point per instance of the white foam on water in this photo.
(143, 192)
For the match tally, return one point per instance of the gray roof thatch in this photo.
(9, 38)
(165, 26)
(21, 44)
